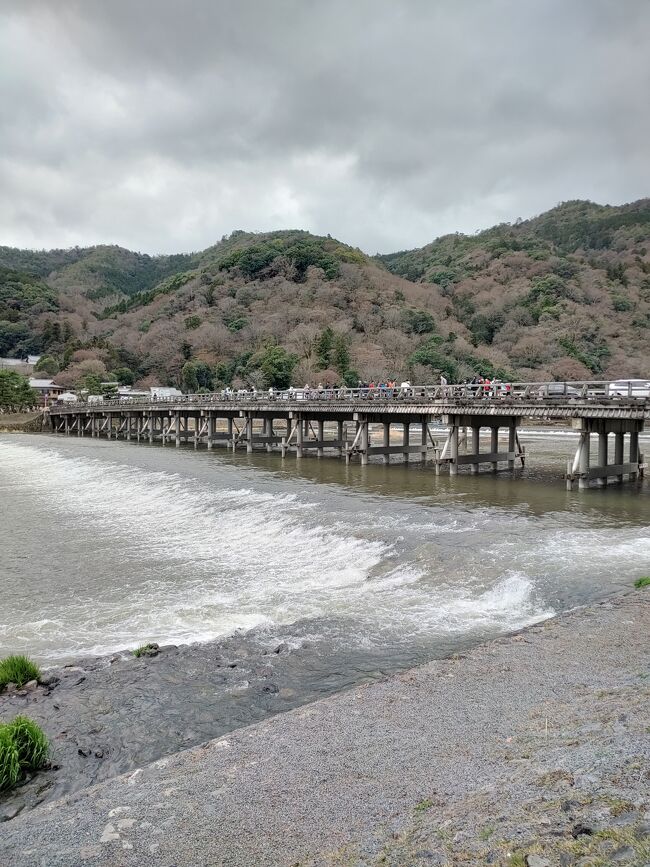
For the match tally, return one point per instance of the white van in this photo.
(630, 388)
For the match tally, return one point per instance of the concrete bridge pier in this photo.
(473, 456)
(365, 440)
(300, 435)
(386, 442)
(635, 457)
(582, 470)
(475, 448)
(512, 443)
(249, 433)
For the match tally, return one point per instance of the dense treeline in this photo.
(564, 295)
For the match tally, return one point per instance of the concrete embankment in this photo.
(531, 749)
(21, 422)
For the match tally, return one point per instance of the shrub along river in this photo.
(348, 573)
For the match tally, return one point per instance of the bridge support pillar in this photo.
(602, 458)
(453, 446)
(210, 430)
(512, 442)
(634, 454)
(321, 437)
(178, 429)
(300, 436)
(339, 436)
(406, 441)
(494, 445)
(583, 460)
(386, 457)
(476, 439)
(619, 445)
(451, 452)
(249, 433)
(584, 472)
(364, 441)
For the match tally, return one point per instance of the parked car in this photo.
(559, 389)
(630, 388)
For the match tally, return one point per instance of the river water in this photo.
(105, 545)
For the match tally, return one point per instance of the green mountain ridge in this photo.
(565, 294)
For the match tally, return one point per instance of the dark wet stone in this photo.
(626, 853)
(149, 708)
(50, 680)
(10, 811)
(579, 829)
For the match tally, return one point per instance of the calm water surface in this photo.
(104, 545)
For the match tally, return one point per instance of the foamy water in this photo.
(106, 545)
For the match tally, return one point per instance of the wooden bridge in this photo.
(345, 422)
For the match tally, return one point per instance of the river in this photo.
(105, 545)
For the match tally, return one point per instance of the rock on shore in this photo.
(528, 750)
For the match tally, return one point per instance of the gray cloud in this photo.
(162, 125)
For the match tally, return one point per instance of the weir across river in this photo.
(346, 423)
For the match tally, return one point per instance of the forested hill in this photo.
(563, 295)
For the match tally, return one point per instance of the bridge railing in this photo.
(592, 390)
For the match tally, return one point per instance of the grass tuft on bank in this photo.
(17, 669)
(23, 747)
(150, 649)
(642, 582)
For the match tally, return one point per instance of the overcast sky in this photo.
(161, 125)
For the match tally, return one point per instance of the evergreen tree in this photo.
(324, 346)
(15, 392)
(341, 355)
(189, 379)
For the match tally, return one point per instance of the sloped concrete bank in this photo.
(531, 749)
(21, 422)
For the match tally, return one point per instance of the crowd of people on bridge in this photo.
(382, 389)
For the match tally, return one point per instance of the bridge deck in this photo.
(550, 408)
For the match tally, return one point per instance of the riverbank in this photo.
(531, 749)
(107, 715)
(21, 422)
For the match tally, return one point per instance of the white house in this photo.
(159, 391)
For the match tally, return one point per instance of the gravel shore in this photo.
(527, 750)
